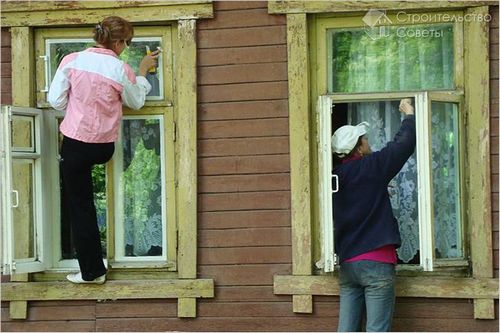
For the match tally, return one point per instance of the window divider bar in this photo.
(425, 205)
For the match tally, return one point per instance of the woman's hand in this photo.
(405, 106)
(149, 60)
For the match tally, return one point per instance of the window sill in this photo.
(421, 286)
(185, 290)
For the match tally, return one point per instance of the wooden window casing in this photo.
(181, 16)
(303, 284)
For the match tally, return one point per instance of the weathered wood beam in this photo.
(477, 105)
(289, 7)
(92, 16)
(435, 287)
(23, 5)
(45, 291)
(298, 92)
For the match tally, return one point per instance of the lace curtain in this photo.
(403, 60)
(141, 187)
(385, 119)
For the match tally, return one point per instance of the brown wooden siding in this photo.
(244, 235)
(5, 73)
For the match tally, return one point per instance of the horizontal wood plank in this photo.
(243, 183)
(245, 237)
(253, 293)
(109, 290)
(237, 5)
(65, 17)
(243, 110)
(244, 164)
(50, 326)
(484, 288)
(268, 324)
(237, 37)
(242, 55)
(245, 255)
(251, 17)
(242, 73)
(244, 201)
(297, 6)
(244, 275)
(243, 146)
(444, 325)
(243, 219)
(6, 38)
(136, 309)
(242, 128)
(243, 92)
(55, 313)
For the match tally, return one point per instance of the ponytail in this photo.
(112, 29)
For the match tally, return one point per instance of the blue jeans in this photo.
(366, 285)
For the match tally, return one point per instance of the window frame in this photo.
(423, 100)
(154, 108)
(302, 284)
(43, 72)
(319, 27)
(182, 284)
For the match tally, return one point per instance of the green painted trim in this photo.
(297, 6)
(92, 16)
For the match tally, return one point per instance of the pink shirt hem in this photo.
(385, 254)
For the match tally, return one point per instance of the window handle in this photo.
(335, 188)
(16, 196)
(46, 70)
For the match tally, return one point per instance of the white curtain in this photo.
(385, 120)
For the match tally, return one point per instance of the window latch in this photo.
(335, 185)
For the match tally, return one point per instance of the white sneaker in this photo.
(77, 278)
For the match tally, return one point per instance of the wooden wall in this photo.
(244, 200)
(5, 68)
(494, 98)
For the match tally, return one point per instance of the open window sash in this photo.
(326, 183)
(21, 163)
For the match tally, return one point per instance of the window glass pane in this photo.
(58, 49)
(23, 215)
(22, 134)
(140, 191)
(445, 180)
(133, 56)
(399, 58)
(385, 119)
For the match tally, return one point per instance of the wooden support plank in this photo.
(302, 303)
(434, 287)
(23, 88)
(298, 83)
(186, 307)
(478, 141)
(31, 6)
(91, 16)
(297, 6)
(187, 157)
(174, 288)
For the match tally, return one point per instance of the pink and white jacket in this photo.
(91, 86)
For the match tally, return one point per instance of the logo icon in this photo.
(375, 23)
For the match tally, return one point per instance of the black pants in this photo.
(77, 159)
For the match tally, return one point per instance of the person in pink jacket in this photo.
(91, 86)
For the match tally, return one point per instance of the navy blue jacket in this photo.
(362, 212)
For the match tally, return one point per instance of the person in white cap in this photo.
(366, 231)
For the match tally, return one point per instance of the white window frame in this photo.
(11, 265)
(120, 258)
(424, 172)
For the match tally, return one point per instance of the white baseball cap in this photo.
(345, 138)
